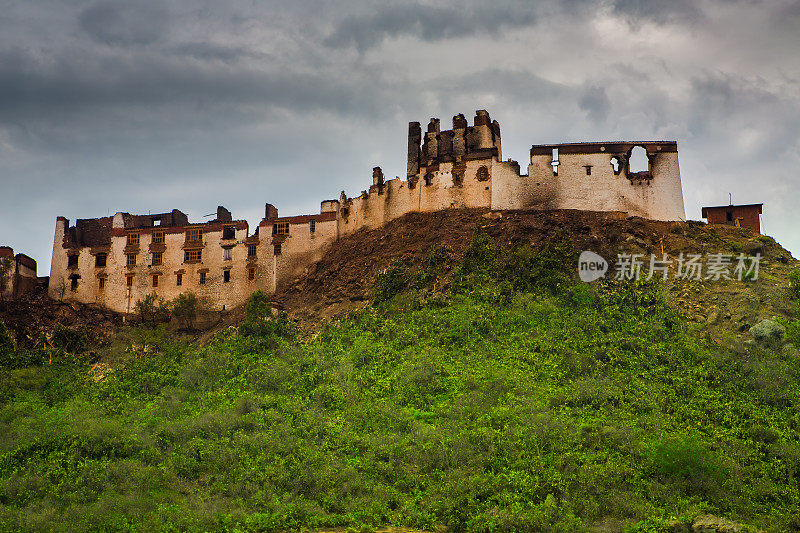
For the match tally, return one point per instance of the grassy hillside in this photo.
(483, 392)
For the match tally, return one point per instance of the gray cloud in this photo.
(149, 105)
(429, 23)
(124, 23)
(660, 12)
(595, 102)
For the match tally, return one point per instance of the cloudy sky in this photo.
(145, 106)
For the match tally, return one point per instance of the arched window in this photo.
(483, 173)
(428, 178)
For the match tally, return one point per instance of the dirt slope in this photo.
(341, 281)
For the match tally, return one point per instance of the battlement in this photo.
(463, 142)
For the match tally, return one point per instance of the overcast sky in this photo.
(145, 106)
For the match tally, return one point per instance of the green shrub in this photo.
(390, 282)
(260, 322)
(794, 283)
(6, 345)
(184, 308)
(70, 340)
(686, 459)
(153, 310)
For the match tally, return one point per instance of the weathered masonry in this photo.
(116, 261)
(20, 278)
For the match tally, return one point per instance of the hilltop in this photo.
(342, 280)
(446, 371)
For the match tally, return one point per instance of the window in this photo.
(158, 237)
(251, 250)
(251, 273)
(638, 161)
(155, 280)
(100, 260)
(101, 283)
(729, 216)
(179, 279)
(428, 178)
(192, 256)
(202, 278)
(227, 254)
(74, 283)
(483, 173)
(555, 162)
(312, 226)
(129, 280)
(226, 276)
(228, 232)
(131, 260)
(281, 228)
(277, 249)
(133, 238)
(588, 169)
(194, 234)
(158, 258)
(72, 260)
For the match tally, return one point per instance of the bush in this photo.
(686, 459)
(70, 340)
(7, 348)
(153, 310)
(260, 322)
(184, 308)
(794, 283)
(390, 282)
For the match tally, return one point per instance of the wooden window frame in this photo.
(194, 235)
(129, 280)
(251, 273)
(155, 280)
(133, 238)
(252, 250)
(158, 258)
(179, 279)
(97, 260)
(158, 237)
(203, 278)
(281, 228)
(128, 262)
(193, 256)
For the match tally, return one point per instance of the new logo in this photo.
(591, 266)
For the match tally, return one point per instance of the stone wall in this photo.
(458, 168)
(21, 277)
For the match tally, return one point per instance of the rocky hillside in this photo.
(342, 281)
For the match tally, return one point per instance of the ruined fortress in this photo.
(116, 261)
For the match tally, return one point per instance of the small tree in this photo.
(5, 275)
(184, 308)
(152, 310)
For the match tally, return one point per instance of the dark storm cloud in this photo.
(214, 52)
(31, 87)
(120, 105)
(429, 23)
(659, 11)
(595, 102)
(121, 23)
